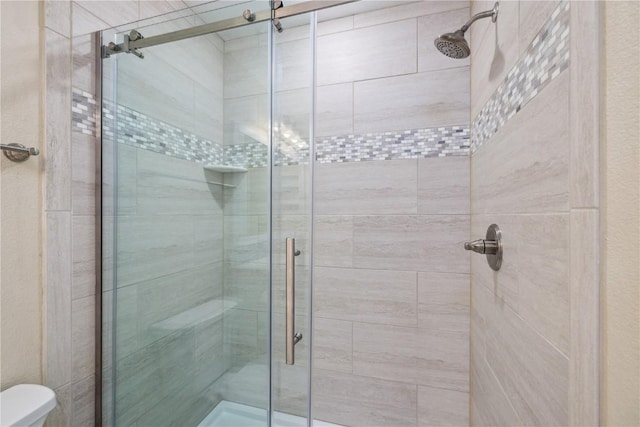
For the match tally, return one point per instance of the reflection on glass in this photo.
(186, 199)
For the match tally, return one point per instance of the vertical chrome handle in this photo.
(292, 337)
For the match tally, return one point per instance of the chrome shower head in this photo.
(454, 45)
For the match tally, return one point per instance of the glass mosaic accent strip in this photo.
(255, 154)
(545, 58)
(249, 155)
(141, 131)
(404, 144)
(83, 112)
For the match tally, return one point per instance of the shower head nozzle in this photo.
(454, 45)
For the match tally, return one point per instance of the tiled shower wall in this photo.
(534, 324)
(391, 279)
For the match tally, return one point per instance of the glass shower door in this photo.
(186, 227)
(292, 148)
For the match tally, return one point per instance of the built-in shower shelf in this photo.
(226, 169)
(209, 311)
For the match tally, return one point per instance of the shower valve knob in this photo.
(491, 246)
(482, 246)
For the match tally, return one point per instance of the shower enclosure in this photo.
(207, 227)
(285, 198)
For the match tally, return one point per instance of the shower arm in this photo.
(493, 14)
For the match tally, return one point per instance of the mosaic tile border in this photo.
(83, 112)
(545, 58)
(248, 155)
(406, 144)
(141, 131)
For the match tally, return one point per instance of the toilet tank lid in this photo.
(24, 404)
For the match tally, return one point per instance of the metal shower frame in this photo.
(135, 41)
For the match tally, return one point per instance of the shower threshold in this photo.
(229, 414)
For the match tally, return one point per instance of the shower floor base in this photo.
(229, 414)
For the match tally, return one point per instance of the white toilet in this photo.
(26, 405)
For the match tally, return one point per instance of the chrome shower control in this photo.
(482, 246)
(491, 246)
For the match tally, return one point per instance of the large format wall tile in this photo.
(533, 373)
(153, 373)
(439, 407)
(367, 53)
(241, 335)
(411, 242)
(525, 167)
(208, 239)
(386, 187)
(489, 404)
(57, 153)
(532, 16)
(247, 285)
(360, 401)
(83, 174)
(412, 355)
(83, 254)
(333, 240)
(170, 186)
(334, 109)
(244, 239)
(58, 369)
(168, 96)
(291, 189)
(443, 301)
(153, 246)
(543, 269)
(585, 317)
(412, 101)
(244, 115)
(245, 67)
(84, 22)
(126, 11)
(292, 116)
(293, 67)
(443, 185)
(172, 295)
(82, 332)
(83, 403)
(406, 11)
(332, 345)
(390, 297)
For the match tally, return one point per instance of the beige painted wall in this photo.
(20, 200)
(621, 220)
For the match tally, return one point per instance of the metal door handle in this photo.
(292, 337)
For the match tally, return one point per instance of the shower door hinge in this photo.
(276, 4)
(113, 48)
